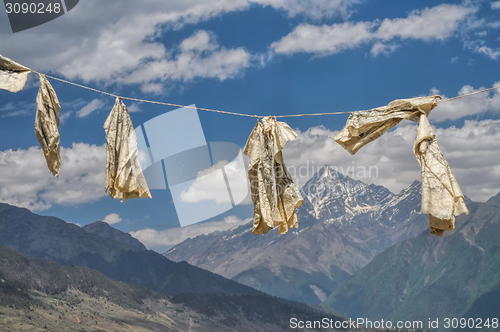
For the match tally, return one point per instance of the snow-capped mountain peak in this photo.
(330, 194)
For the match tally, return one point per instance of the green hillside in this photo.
(431, 277)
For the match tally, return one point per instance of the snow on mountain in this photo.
(330, 195)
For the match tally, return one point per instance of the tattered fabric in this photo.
(13, 76)
(442, 198)
(47, 124)
(124, 177)
(267, 170)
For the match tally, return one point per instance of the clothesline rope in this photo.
(232, 113)
(469, 94)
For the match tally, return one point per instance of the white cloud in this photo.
(324, 39)
(315, 9)
(152, 238)
(199, 56)
(383, 48)
(389, 161)
(132, 108)
(30, 184)
(89, 108)
(20, 108)
(489, 52)
(431, 23)
(494, 25)
(64, 116)
(112, 218)
(211, 185)
(495, 5)
(434, 23)
(475, 104)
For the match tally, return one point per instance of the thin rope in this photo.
(146, 101)
(469, 94)
(310, 114)
(75, 84)
(198, 108)
(232, 113)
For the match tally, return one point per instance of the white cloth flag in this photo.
(266, 171)
(13, 76)
(124, 177)
(442, 198)
(47, 124)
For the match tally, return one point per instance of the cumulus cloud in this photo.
(198, 56)
(112, 218)
(211, 185)
(495, 5)
(89, 108)
(389, 161)
(30, 184)
(436, 23)
(132, 108)
(324, 39)
(475, 104)
(383, 48)
(315, 9)
(152, 238)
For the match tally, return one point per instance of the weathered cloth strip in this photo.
(124, 177)
(442, 198)
(13, 76)
(266, 171)
(47, 124)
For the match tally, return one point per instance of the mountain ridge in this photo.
(105, 230)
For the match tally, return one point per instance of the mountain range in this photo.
(360, 249)
(343, 224)
(394, 269)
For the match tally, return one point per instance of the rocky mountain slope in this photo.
(55, 240)
(344, 224)
(431, 277)
(37, 295)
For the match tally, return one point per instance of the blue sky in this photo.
(265, 57)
